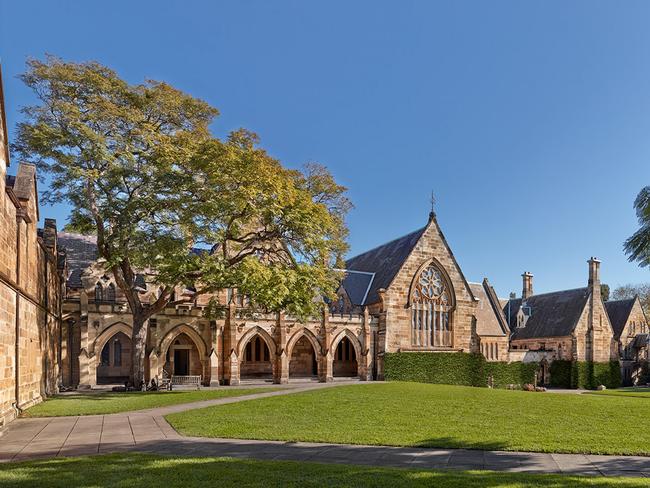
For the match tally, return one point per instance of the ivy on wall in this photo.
(455, 369)
(585, 374)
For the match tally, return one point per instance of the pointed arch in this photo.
(266, 337)
(311, 337)
(354, 340)
(444, 275)
(107, 333)
(190, 332)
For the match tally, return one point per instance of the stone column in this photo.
(365, 362)
(231, 362)
(381, 335)
(281, 366)
(87, 368)
(213, 360)
(325, 373)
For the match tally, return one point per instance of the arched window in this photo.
(430, 308)
(110, 293)
(99, 292)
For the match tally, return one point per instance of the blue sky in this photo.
(529, 120)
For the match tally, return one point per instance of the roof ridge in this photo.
(386, 243)
(556, 291)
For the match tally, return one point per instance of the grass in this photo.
(137, 470)
(114, 402)
(415, 414)
(624, 392)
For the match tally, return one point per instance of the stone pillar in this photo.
(381, 335)
(281, 366)
(87, 368)
(365, 363)
(231, 361)
(325, 370)
(214, 368)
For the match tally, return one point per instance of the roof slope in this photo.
(384, 261)
(618, 312)
(490, 320)
(554, 314)
(81, 253)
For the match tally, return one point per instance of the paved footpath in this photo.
(148, 431)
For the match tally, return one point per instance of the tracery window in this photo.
(430, 308)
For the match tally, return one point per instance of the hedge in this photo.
(585, 374)
(455, 369)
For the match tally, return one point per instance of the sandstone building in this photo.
(63, 320)
(31, 268)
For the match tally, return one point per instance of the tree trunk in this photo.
(139, 351)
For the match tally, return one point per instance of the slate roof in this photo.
(552, 314)
(357, 285)
(384, 261)
(618, 312)
(81, 253)
(490, 320)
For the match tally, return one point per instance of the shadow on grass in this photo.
(126, 470)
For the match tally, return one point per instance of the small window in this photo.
(110, 293)
(99, 292)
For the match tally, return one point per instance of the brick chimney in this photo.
(594, 276)
(528, 285)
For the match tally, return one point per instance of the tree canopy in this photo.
(165, 197)
(637, 247)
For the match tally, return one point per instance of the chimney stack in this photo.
(594, 274)
(528, 285)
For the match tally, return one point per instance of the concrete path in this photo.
(147, 431)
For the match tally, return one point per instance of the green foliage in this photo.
(443, 368)
(516, 373)
(637, 247)
(604, 292)
(455, 369)
(585, 374)
(141, 171)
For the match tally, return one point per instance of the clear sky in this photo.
(529, 120)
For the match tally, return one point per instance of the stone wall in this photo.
(30, 291)
(432, 247)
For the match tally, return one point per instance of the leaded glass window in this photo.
(430, 308)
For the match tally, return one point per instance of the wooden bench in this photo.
(186, 381)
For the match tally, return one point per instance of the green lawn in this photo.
(139, 470)
(114, 402)
(415, 414)
(625, 392)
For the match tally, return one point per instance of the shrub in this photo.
(455, 369)
(585, 374)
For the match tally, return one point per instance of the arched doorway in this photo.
(303, 362)
(183, 357)
(345, 359)
(115, 360)
(256, 360)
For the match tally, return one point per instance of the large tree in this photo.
(169, 200)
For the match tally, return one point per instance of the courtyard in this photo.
(438, 435)
(440, 416)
